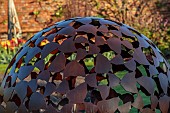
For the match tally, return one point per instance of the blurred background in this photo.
(21, 19)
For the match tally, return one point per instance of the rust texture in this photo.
(87, 65)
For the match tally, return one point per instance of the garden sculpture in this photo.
(87, 65)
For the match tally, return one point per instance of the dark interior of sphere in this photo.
(88, 65)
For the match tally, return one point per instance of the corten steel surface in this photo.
(51, 72)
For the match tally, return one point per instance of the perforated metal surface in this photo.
(88, 65)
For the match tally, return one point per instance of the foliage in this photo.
(3, 68)
(36, 13)
(8, 49)
(143, 15)
(59, 11)
(146, 16)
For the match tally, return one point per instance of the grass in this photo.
(3, 68)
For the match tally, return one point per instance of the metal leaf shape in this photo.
(163, 81)
(129, 82)
(102, 64)
(138, 103)
(147, 83)
(58, 64)
(78, 94)
(37, 101)
(67, 46)
(108, 106)
(74, 69)
(25, 71)
(115, 44)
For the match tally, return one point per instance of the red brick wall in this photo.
(47, 9)
(30, 22)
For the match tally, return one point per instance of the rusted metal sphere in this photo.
(88, 65)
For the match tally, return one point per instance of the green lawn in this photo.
(3, 68)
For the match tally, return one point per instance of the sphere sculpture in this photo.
(87, 65)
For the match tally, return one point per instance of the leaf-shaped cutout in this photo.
(138, 103)
(164, 103)
(67, 31)
(51, 37)
(81, 39)
(84, 20)
(129, 82)
(142, 41)
(21, 89)
(107, 22)
(131, 65)
(102, 64)
(117, 33)
(154, 101)
(40, 65)
(88, 29)
(100, 40)
(33, 84)
(81, 53)
(64, 23)
(58, 64)
(90, 108)
(48, 49)
(108, 106)
(125, 107)
(115, 44)
(127, 44)
(140, 57)
(67, 46)
(67, 108)
(153, 70)
(93, 49)
(63, 87)
(37, 102)
(49, 89)
(156, 61)
(14, 78)
(147, 110)
(31, 53)
(22, 53)
(11, 107)
(157, 53)
(37, 35)
(147, 83)
(163, 82)
(22, 109)
(104, 91)
(117, 60)
(8, 93)
(126, 31)
(74, 69)
(91, 80)
(24, 71)
(78, 94)
(113, 80)
(44, 75)
(103, 28)
(39, 40)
